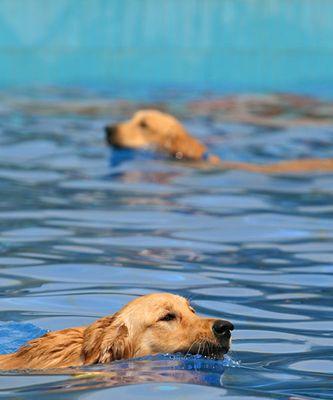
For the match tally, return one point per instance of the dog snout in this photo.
(110, 131)
(222, 329)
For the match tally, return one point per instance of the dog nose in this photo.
(110, 130)
(222, 328)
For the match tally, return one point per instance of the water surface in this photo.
(82, 233)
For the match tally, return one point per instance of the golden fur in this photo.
(151, 324)
(154, 129)
(162, 132)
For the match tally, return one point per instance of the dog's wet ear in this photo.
(106, 340)
(185, 147)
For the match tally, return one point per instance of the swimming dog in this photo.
(155, 130)
(151, 324)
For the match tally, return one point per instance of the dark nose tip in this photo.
(222, 327)
(110, 131)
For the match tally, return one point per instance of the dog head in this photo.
(151, 129)
(153, 324)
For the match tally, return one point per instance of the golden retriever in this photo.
(162, 132)
(151, 324)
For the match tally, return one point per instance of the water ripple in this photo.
(80, 236)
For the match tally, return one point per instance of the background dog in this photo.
(151, 129)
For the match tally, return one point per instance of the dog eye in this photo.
(168, 317)
(143, 124)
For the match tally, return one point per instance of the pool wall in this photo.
(232, 44)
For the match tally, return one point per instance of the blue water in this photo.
(83, 230)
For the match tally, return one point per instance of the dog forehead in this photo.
(155, 118)
(161, 300)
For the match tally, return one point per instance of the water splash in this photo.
(15, 334)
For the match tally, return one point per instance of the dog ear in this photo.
(185, 147)
(106, 340)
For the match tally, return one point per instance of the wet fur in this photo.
(135, 331)
(162, 132)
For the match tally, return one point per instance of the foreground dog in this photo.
(150, 129)
(151, 324)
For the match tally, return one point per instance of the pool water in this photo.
(84, 229)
